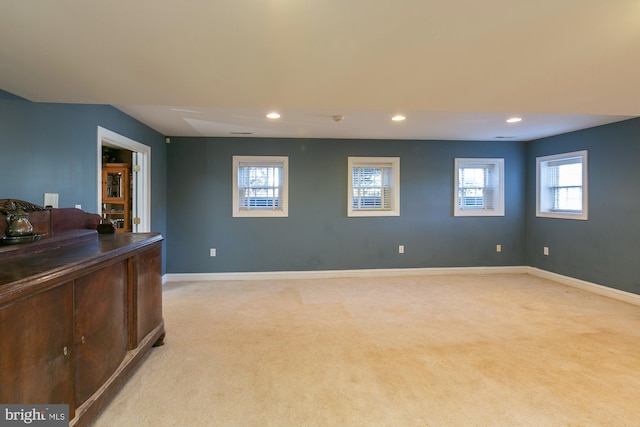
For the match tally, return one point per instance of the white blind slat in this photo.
(371, 186)
(260, 185)
(475, 189)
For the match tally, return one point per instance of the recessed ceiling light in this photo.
(273, 115)
(514, 120)
(398, 118)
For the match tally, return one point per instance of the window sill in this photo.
(478, 213)
(260, 214)
(561, 215)
(357, 214)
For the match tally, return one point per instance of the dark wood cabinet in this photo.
(78, 311)
(101, 325)
(147, 294)
(37, 367)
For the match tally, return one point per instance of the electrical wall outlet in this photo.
(401, 249)
(545, 250)
(212, 252)
(498, 248)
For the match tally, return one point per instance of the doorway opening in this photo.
(138, 157)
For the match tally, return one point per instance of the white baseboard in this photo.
(616, 294)
(332, 274)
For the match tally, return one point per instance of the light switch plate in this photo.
(51, 199)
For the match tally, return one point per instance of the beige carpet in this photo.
(494, 350)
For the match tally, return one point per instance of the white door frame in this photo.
(142, 203)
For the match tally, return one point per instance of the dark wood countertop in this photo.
(35, 266)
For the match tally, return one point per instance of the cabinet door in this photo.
(101, 327)
(36, 349)
(116, 198)
(115, 183)
(148, 291)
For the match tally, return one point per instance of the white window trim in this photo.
(498, 202)
(395, 175)
(545, 213)
(278, 213)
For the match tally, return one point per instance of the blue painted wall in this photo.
(318, 235)
(52, 148)
(7, 95)
(605, 248)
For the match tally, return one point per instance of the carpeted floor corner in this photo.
(482, 350)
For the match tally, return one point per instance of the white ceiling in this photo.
(457, 69)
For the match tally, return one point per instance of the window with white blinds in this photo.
(479, 187)
(561, 186)
(260, 186)
(374, 186)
